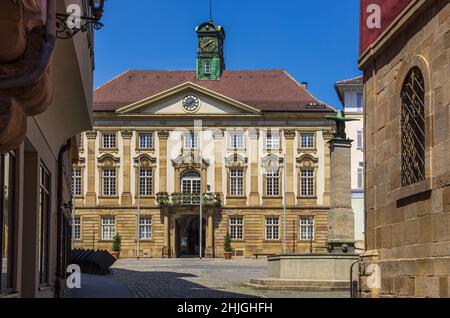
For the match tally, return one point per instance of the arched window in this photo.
(191, 182)
(413, 128)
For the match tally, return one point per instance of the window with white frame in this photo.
(307, 182)
(145, 182)
(236, 140)
(76, 182)
(109, 140)
(237, 228)
(359, 101)
(207, 66)
(109, 182)
(306, 228)
(272, 182)
(108, 227)
(361, 175)
(145, 228)
(76, 232)
(146, 140)
(190, 141)
(236, 182)
(272, 228)
(272, 141)
(307, 140)
(360, 139)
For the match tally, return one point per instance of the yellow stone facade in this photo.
(174, 227)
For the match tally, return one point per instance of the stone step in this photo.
(298, 285)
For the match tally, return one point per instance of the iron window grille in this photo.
(413, 128)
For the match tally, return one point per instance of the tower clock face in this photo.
(208, 44)
(190, 103)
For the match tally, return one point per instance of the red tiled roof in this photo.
(267, 90)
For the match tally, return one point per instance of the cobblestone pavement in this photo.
(194, 278)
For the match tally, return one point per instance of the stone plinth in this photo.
(341, 232)
(308, 272)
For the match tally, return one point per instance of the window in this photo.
(109, 140)
(307, 183)
(359, 101)
(272, 228)
(109, 182)
(191, 141)
(236, 182)
(273, 183)
(76, 228)
(272, 141)
(236, 140)
(44, 225)
(307, 140)
(306, 228)
(7, 208)
(413, 128)
(190, 186)
(146, 140)
(237, 228)
(76, 182)
(360, 138)
(145, 228)
(108, 227)
(361, 175)
(207, 67)
(146, 182)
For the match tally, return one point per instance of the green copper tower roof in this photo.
(210, 59)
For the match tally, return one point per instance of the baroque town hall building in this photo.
(247, 140)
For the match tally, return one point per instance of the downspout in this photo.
(43, 61)
(59, 218)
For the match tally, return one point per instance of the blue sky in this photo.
(314, 40)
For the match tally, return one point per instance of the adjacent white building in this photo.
(350, 93)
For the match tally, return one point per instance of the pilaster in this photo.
(289, 136)
(218, 155)
(254, 176)
(91, 198)
(126, 194)
(163, 136)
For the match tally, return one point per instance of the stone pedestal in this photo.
(341, 233)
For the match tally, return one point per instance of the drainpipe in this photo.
(43, 60)
(59, 218)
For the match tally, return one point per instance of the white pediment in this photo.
(170, 103)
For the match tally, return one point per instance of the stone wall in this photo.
(408, 228)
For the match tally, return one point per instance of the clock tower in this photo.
(210, 60)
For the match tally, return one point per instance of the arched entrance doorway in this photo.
(188, 236)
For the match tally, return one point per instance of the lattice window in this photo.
(236, 182)
(76, 228)
(272, 228)
(145, 182)
(237, 228)
(146, 140)
(273, 183)
(413, 128)
(108, 227)
(145, 228)
(307, 182)
(306, 228)
(76, 182)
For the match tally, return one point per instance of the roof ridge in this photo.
(306, 90)
(114, 78)
(348, 80)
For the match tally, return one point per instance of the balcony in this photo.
(187, 199)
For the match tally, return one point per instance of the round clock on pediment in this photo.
(190, 103)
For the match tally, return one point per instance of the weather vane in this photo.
(210, 10)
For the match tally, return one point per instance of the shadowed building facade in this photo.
(147, 150)
(406, 68)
